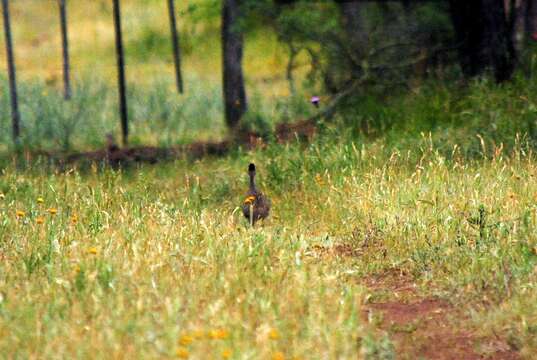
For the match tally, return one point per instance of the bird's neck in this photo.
(252, 182)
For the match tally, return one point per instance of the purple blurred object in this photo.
(315, 101)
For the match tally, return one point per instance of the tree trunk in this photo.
(531, 19)
(484, 38)
(232, 49)
(353, 24)
(498, 40)
(518, 10)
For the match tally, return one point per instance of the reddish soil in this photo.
(427, 327)
(303, 130)
(115, 156)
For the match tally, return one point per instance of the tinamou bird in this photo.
(111, 145)
(256, 206)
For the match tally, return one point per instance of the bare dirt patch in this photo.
(427, 327)
(116, 156)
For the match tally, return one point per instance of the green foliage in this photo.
(378, 349)
(150, 43)
(376, 45)
(156, 113)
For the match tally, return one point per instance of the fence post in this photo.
(175, 45)
(15, 115)
(121, 74)
(65, 50)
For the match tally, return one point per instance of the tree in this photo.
(235, 101)
(531, 18)
(353, 23)
(483, 37)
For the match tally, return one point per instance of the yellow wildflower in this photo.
(218, 334)
(93, 250)
(20, 214)
(185, 340)
(249, 200)
(198, 334)
(74, 219)
(273, 334)
(182, 353)
(52, 211)
(2, 196)
(40, 220)
(40, 200)
(226, 354)
(319, 179)
(278, 356)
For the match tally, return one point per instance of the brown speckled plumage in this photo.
(255, 204)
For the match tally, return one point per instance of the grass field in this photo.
(158, 262)
(418, 235)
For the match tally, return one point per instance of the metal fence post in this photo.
(175, 45)
(15, 115)
(65, 49)
(121, 74)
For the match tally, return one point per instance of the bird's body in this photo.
(111, 145)
(256, 206)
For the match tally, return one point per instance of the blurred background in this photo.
(381, 68)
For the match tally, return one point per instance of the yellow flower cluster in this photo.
(218, 334)
(93, 250)
(185, 340)
(182, 353)
(41, 219)
(319, 179)
(273, 334)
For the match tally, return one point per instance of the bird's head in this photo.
(251, 168)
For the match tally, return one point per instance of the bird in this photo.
(256, 206)
(111, 145)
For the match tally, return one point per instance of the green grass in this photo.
(162, 252)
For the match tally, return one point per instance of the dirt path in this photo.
(116, 156)
(426, 327)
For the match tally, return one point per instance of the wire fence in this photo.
(63, 21)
